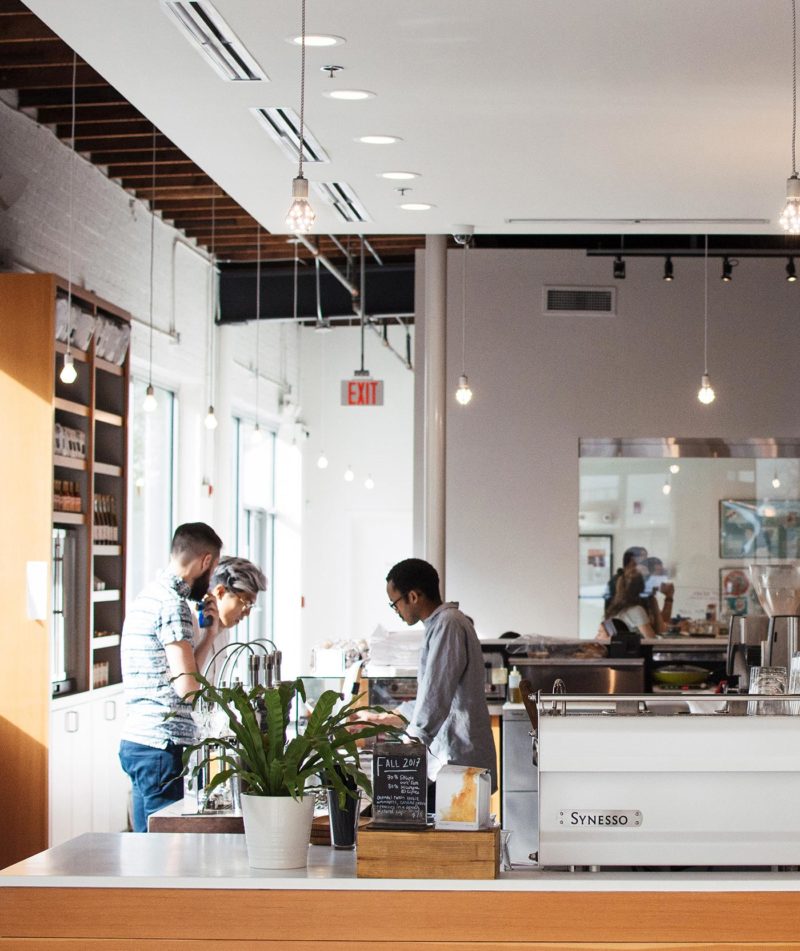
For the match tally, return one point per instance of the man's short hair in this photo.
(195, 539)
(414, 574)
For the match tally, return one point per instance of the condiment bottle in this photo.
(514, 695)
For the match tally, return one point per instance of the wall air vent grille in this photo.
(207, 30)
(580, 301)
(344, 200)
(283, 125)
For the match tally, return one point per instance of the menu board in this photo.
(400, 785)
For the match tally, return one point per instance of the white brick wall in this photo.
(111, 256)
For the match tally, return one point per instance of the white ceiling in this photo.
(573, 113)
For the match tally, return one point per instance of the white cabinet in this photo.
(88, 789)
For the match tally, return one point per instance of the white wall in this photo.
(352, 535)
(541, 383)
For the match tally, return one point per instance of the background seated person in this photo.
(627, 606)
(655, 575)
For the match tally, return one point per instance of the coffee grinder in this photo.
(778, 590)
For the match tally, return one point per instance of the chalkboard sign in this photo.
(400, 785)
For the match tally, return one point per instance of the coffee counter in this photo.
(174, 891)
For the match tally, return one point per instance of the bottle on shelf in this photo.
(514, 693)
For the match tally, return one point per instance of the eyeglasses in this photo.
(393, 604)
(247, 606)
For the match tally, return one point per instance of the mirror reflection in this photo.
(691, 514)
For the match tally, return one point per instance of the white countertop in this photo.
(189, 860)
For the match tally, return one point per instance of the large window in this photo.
(706, 508)
(268, 482)
(151, 486)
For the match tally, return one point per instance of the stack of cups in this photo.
(767, 681)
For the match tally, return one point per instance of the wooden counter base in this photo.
(113, 919)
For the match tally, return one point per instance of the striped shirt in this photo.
(160, 615)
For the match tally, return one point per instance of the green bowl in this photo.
(680, 675)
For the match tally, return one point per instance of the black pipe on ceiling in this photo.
(389, 292)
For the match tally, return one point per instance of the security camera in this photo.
(462, 234)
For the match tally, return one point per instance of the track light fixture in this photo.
(791, 273)
(727, 270)
(669, 272)
(619, 268)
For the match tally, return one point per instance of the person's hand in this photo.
(667, 589)
(211, 612)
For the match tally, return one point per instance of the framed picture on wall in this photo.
(736, 593)
(759, 529)
(594, 558)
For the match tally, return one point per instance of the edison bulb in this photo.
(463, 393)
(149, 403)
(211, 421)
(257, 435)
(300, 217)
(790, 216)
(349, 475)
(68, 372)
(674, 468)
(369, 482)
(666, 488)
(706, 392)
(776, 482)
(322, 462)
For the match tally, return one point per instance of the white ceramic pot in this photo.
(277, 830)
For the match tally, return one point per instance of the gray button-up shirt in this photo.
(450, 715)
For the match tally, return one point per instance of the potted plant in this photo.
(274, 764)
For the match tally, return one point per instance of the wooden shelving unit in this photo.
(96, 406)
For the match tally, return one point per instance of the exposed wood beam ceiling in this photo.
(115, 136)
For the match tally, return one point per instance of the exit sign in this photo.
(362, 392)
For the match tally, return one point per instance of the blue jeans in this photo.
(155, 776)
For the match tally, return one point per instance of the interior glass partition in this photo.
(705, 507)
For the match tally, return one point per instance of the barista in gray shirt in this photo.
(450, 715)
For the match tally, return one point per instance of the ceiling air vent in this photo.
(343, 199)
(283, 125)
(580, 301)
(206, 29)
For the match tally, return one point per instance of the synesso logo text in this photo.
(621, 818)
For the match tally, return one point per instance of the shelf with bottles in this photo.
(67, 497)
(105, 525)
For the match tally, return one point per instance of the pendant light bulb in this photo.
(150, 403)
(674, 468)
(211, 421)
(666, 488)
(463, 393)
(790, 216)
(257, 435)
(301, 217)
(68, 372)
(322, 461)
(349, 475)
(706, 392)
(776, 482)
(369, 482)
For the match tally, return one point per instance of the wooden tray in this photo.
(427, 853)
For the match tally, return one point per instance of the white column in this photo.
(434, 419)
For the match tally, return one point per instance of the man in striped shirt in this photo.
(160, 655)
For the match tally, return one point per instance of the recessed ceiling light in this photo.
(318, 39)
(399, 176)
(379, 139)
(416, 206)
(349, 94)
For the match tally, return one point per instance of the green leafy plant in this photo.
(268, 758)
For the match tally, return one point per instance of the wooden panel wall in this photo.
(26, 426)
(307, 920)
